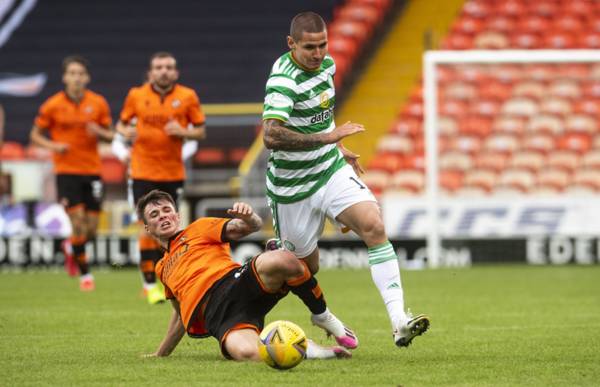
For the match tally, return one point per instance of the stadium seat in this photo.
(340, 45)
(357, 31)
(525, 40)
(559, 40)
(491, 161)
(587, 106)
(533, 24)
(552, 179)
(455, 161)
(565, 88)
(568, 23)
(393, 143)
(494, 90)
(478, 9)
(544, 8)
(589, 39)
(475, 125)
(511, 8)
(500, 23)
(540, 72)
(12, 151)
(467, 25)
(520, 106)
(563, 159)
(509, 125)
(35, 152)
(453, 108)
(591, 160)
(545, 123)
(210, 157)
(376, 180)
(469, 144)
(363, 13)
(413, 109)
(386, 162)
(113, 171)
(458, 42)
(459, 90)
(527, 160)
(236, 155)
(529, 89)
(485, 107)
(581, 123)
(587, 177)
(578, 142)
(410, 180)
(520, 179)
(450, 180)
(447, 126)
(501, 143)
(483, 179)
(540, 142)
(555, 105)
(491, 40)
(407, 127)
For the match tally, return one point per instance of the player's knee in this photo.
(290, 265)
(373, 227)
(244, 352)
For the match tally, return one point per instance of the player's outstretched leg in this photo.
(308, 290)
(316, 351)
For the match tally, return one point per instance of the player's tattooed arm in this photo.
(278, 137)
(245, 221)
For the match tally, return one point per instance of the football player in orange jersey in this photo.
(211, 294)
(165, 114)
(75, 119)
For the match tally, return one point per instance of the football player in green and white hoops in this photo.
(311, 175)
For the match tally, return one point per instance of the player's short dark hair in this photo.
(306, 22)
(160, 54)
(153, 197)
(75, 59)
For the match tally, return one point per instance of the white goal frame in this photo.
(430, 96)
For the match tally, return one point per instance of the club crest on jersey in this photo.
(289, 245)
(324, 100)
(176, 103)
(321, 117)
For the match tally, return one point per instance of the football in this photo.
(282, 345)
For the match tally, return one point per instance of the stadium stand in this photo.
(511, 129)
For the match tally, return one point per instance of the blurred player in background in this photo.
(75, 119)
(311, 175)
(211, 294)
(162, 110)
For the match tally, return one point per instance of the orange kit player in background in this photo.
(164, 111)
(75, 119)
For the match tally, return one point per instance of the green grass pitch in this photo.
(491, 325)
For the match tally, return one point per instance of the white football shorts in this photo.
(299, 225)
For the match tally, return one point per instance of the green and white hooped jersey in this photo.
(303, 100)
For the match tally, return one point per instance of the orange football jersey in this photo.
(156, 156)
(66, 122)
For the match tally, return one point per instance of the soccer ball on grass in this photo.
(282, 345)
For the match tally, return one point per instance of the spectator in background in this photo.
(75, 119)
(162, 110)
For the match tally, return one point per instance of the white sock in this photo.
(327, 320)
(316, 351)
(148, 286)
(385, 272)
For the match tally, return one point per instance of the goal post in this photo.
(431, 63)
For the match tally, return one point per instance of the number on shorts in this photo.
(357, 182)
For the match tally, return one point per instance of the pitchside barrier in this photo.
(487, 231)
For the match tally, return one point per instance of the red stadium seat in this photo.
(491, 161)
(565, 88)
(370, 15)
(393, 143)
(485, 107)
(559, 39)
(386, 162)
(410, 180)
(546, 123)
(236, 155)
(533, 24)
(544, 8)
(591, 159)
(458, 42)
(376, 180)
(467, 25)
(581, 123)
(509, 125)
(578, 142)
(455, 161)
(501, 23)
(451, 180)
(484, 179)
(407, 127)
(479, 9)
(527, 160)
(495, 90)
(558, 106)
(525, 40)
(568, 23)
(589, 39)
(350, 29)
(520, 179)
(529, 89)
(343, 46)
(469, 144)
(587, 177)
(459, 90)
(552, 179)
(519, 106)
(491, 40)
(511, 8)
(12, 151)
(538, 142)
(563, 159)
(501, 143)
(475, 125)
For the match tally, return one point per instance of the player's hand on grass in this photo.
(352, 159)
(343, 131)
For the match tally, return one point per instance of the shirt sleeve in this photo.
(195, 113)
(128, 111)
(104, 118)
(212, 229)
(44, 119)
(279, 98)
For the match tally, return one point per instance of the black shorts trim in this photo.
(75, 190)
